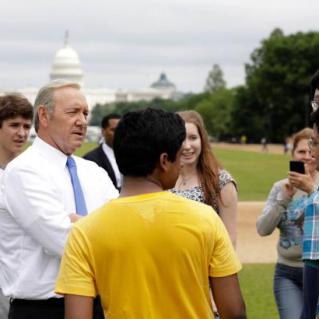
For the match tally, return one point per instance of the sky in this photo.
(126, 44)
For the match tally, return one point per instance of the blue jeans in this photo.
(288, 283)
(311, 292)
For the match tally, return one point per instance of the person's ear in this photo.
(163, 162)
(43, 115)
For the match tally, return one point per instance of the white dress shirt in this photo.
(38, 198)
(4, 301)
(1, 208)
(109, 152)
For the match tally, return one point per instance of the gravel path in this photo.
(251, 247)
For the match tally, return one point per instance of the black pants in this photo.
(45, 309)
(311, 292)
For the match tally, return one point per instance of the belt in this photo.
(34, 302)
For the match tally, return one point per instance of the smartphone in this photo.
(297, 166)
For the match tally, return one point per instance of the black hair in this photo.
(142, 136)
(14, 105)
(106, 118)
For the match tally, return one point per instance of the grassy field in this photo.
(256, 281)
(86, 147)
(254, 172)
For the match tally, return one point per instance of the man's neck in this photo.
(109, 146)
(6, 157)
(133, 186)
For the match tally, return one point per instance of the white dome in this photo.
(66, 65)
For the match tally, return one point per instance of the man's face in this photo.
(66, 126)
(108, 132)
(315, 145)
(13, 135)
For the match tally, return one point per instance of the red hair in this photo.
(207, 166)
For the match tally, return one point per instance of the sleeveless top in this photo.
(196, 193)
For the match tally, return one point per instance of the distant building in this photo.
(67, 65)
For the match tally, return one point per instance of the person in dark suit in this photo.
(103, 155)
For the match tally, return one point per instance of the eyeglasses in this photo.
(314, 105)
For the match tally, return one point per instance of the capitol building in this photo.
(67, 65)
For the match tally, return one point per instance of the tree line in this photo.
(273, 103)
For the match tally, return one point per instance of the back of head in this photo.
(107, 118)
(45, 97)
(13, 105)
(142, 136)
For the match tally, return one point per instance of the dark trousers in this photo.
(52, 308)
(311, 292)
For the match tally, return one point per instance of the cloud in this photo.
(126, 44)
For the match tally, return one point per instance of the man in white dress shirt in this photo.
(16, 114)
(41, 203)
(103, 155)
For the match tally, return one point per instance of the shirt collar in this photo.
(107, 149)
(57, 157)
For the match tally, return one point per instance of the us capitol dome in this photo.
(67, 65)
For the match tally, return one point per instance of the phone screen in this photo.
(297, 166)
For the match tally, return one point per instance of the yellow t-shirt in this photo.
(148, 256)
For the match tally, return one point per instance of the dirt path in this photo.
(252, 248)
(272, 148)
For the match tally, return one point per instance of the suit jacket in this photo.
(99, 157)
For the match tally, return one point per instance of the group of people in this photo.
(293, 207)
(144, 226)
(73, 246)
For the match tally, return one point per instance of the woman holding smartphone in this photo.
(284, 210)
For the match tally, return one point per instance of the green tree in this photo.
(98, 111)
(277, 83)
(246, 119)
(216, 110)
(215, 80)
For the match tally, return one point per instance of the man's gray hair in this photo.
(45, 97)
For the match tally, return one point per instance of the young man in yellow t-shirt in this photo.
(150, 253)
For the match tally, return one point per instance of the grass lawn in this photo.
(86, 147)
(256, 281)
(254, 172)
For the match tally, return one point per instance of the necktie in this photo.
(77, 189)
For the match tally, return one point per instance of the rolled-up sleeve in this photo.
(35, 204)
